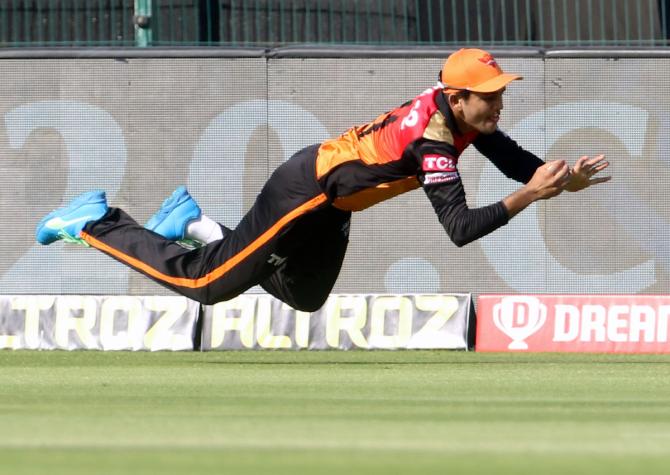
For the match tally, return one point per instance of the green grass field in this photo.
(298, 413)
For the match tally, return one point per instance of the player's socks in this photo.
(204, 230)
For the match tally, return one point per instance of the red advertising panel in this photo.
(573, 323)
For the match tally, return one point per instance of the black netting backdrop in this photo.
(140, 127)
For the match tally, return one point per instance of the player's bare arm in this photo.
(582, 174)
(548, 181)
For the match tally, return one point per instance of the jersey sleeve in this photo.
(439, 177)
(508, 156)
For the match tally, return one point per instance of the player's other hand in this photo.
(581, 175)
(549, 180)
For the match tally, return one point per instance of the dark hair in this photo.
(462, 94)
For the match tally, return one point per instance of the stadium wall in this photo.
(139, 123)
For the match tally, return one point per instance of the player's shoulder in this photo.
(426, 101)
(438, 130)
(435, 123)
(416, 114)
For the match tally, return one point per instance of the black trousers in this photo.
(292, 242)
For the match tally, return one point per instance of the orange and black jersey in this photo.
(419, 144)
(293, 240)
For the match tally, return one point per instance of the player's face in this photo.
(480, 112)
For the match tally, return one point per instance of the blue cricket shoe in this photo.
(66, 223)
(176, 212)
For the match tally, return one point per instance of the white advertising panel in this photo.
(86, 322)
(439, 321)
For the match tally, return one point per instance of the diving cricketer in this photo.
(293, 239)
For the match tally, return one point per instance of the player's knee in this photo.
(309, 307)
(311, 295)
(311, 303)
(209, 301)
(308, 303)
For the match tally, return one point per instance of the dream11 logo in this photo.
(519, 317)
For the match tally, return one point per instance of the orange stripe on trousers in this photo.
(222, 269)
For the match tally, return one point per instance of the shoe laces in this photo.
(190, 243)
(67, 237)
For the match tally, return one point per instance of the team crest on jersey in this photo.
(488, 60)
(438, 163)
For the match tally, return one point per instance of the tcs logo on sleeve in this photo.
(439, 169)
(438, 163)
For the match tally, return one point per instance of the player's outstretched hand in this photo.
(581, 175)
(549, 180)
